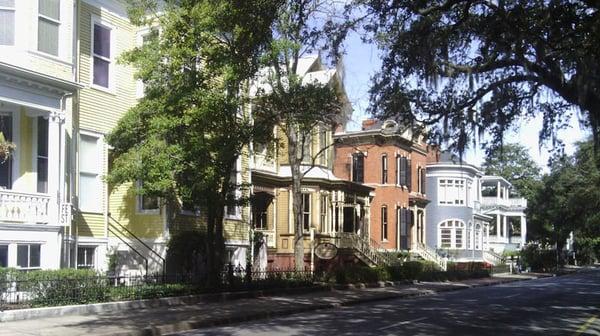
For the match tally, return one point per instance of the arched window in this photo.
(451, 234)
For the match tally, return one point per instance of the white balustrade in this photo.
(488, 202)
(16, 206)
(430, 254)
(492, 257)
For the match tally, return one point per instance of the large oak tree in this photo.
(468, 66)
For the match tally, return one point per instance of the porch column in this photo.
(414, 228)
(523, 230)
(498, 192)
(498, 226)
(54, 122)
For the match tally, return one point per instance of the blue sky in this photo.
(362, 61)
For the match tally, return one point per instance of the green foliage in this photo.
(186, 252)
(513, 162)
(357, 273)
(587, 250)
(466, 67)
(568, 199)
(539, 259)
(185, 135)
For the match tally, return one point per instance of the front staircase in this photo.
(429, 254)
(365, 249)
(492, 257)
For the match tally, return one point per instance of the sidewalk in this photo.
(164, 320)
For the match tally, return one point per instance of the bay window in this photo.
(451, 191)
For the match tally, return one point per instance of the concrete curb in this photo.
(96, 308)
(190, 325)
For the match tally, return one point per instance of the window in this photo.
(260, 220)
(42, 155)
(89, 173)
(358, 167)
(422, 180)
(384, 223)
(469, 233)
(7, 22)
(404, 221)
(384, 169)
(403, 176)
(306, 211)
(3, 255)
(324, 205)
(144, 39)
(6, 166)
(451, 234)
(477, 239)
(451, 192)
(306, 148)
(48, 26)
(147, 204)
(232, 209)
(101, 53)
(323, 144)
(28, 256)
(85, 257)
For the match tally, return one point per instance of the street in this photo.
(567, 305)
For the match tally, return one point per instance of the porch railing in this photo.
(492, 257)
(430, 254)
(17, 206)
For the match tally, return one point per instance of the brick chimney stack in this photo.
(368, 124)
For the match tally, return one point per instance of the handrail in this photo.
(363, 245)
(164, 262)
(430, 254)
(492, 257)
(131, 247)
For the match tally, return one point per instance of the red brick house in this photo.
(390, 158)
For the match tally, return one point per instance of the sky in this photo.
(361, 61)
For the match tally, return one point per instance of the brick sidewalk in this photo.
(163, 320)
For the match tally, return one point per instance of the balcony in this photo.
(490, 202)
(21, 207)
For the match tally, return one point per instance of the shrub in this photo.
(539, 259)
(354, 274)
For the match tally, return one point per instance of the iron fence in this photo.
(18, 291)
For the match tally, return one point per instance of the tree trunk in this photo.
(296, 191)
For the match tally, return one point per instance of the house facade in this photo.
(61, 91)
(37, 89)
(462, 223)
(391, 159)
(334, 210)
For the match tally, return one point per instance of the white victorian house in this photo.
(36, 94)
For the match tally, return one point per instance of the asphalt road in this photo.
(567, 305)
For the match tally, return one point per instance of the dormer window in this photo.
(7, 22)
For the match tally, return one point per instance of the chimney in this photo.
(368, 124)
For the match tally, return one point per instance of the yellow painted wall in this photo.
(89, 224)
(123, 209)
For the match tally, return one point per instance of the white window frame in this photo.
(29, 267)
(238, 192)
(94, 258)
(139, 203)
(309, 212)
(100, 143)
(14, 10)
(37, 22)
(95, 20)
(453, 225)
(451, 192)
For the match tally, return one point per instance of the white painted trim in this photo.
(100, 172)
(238, 191)
(110, 6)
(61, 32)
(95, 20)
(138, 204)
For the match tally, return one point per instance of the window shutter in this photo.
(408, 175)
(423, 181)
(403, 171)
